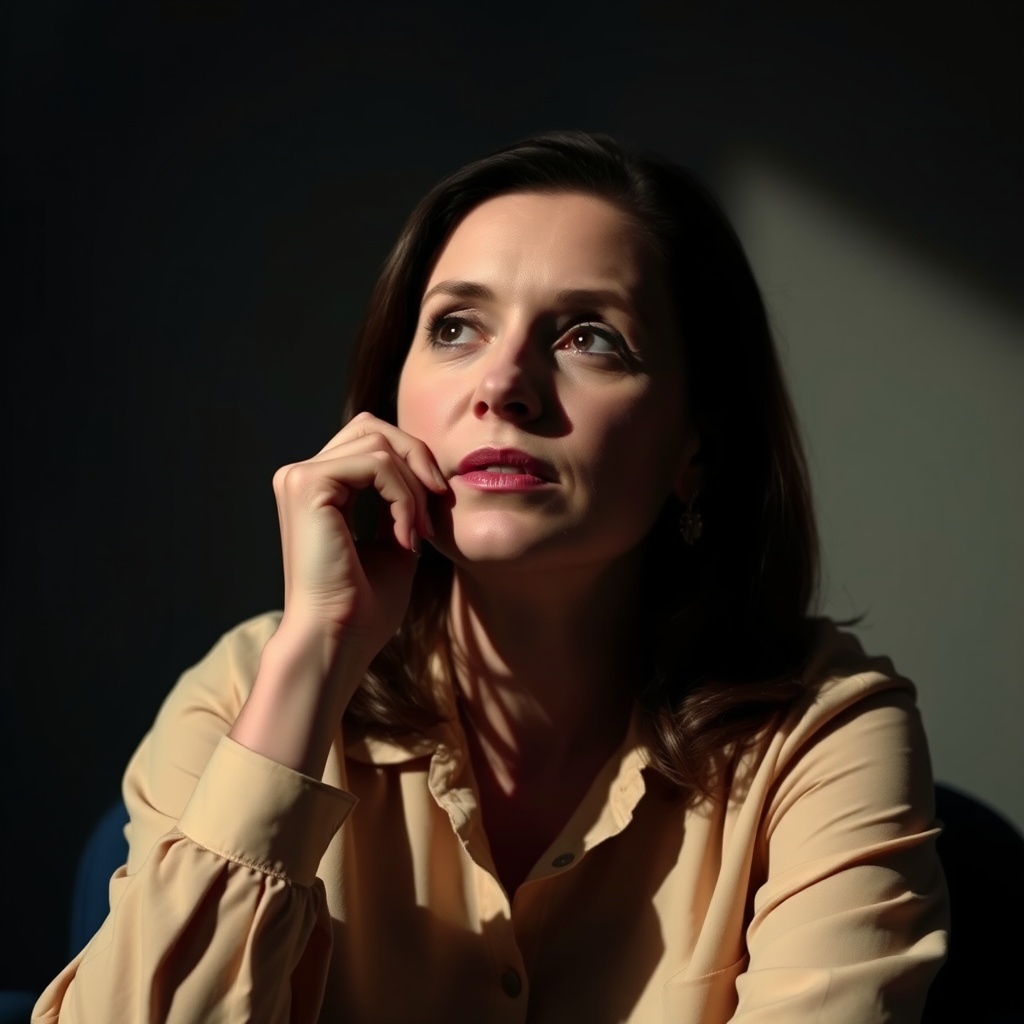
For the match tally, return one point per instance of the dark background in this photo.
(196, 199)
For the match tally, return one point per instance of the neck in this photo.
(542, 667)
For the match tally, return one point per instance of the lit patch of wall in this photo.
(908, 376)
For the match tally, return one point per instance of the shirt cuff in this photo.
(257, 812)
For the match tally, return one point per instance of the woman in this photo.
(544, 730)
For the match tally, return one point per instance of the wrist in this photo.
(304, 682)
(304, 647)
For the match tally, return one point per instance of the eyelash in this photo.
(440, 320)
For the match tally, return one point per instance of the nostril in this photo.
(517, 408)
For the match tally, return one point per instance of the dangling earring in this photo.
(690, 522)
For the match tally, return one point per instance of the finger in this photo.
(377, 442)
(322, 482)
(416, 454)
(371, 444)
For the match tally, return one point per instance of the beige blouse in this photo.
(254, 893)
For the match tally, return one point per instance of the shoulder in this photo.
(223, 677)
(841, 680)
(849, 908)
(855, 734)
(207, 697)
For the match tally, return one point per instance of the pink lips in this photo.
(504, 469)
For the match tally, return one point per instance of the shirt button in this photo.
(563, 859)
(511, 983)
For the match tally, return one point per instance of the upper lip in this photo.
(483, 457)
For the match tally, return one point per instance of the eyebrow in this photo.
(593, 297)
(459, 290)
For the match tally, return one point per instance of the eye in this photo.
(448, 331)
(593, 340)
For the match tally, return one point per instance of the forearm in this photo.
(304, 683)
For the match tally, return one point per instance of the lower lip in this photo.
(484, 481)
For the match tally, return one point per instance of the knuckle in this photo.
(419, 447)
(280, 475)
(297, 476)
(383, 456)
(362, 424)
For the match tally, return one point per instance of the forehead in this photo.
(535, 238)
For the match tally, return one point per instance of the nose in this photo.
(510, 385)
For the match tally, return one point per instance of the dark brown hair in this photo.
(726, 627)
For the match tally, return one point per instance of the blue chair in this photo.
(105, 851)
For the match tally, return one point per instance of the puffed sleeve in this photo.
(851, 922)
(218, 914)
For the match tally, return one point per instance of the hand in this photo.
(337, 585)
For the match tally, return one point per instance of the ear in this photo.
(690, 474)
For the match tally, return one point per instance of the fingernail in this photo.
(439, 477)
(414, 541)
(429, 524)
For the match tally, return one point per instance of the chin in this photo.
(488, 544)
(497, 540)
(494, 537)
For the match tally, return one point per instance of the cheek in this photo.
(412, 404)
(429, 402)
(639, 451)
(420, 413)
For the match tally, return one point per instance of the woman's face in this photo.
(546, 377)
